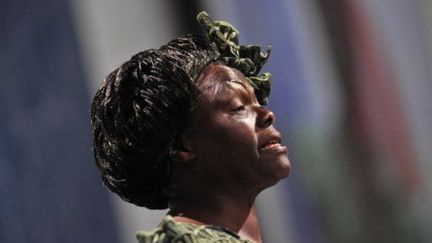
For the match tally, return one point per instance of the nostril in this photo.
(267, 118)
(270, 119)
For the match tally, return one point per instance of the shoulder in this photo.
(170, 231)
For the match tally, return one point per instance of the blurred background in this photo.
(352, 93)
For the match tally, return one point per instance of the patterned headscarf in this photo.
(247, 59)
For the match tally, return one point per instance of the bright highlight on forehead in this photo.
(235, 84)
(217, 77)
(231, 83)
(228, 86)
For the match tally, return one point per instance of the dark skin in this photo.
(228, 155)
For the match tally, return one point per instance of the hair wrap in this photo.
(247, 59)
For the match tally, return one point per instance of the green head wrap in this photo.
(247, 59)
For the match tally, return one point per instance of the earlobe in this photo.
(182, 156)
(182, 151)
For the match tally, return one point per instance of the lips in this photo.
(270, 145)
(271, 142)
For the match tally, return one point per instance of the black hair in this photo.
(139, 112)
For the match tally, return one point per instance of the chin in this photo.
(280, 173)
(275, 169)
(283, 169)
(285, 172)
(286, 168)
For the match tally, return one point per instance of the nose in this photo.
(265, 117)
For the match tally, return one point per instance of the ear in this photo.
(182, 150)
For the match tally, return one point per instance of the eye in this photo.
(239, 108)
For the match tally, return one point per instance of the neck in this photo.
(235, 215)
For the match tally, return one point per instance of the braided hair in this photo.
(139, 112)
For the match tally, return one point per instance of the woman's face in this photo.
(233, 139)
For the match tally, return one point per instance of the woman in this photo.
(183, 127)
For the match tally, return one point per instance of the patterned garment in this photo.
(170, 231)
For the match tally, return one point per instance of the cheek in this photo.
(238, 139)
(231, 138)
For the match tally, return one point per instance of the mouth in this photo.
(271, 144)
(274, 142)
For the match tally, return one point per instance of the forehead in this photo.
(217, 77)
